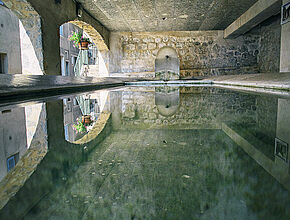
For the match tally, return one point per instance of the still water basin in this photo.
(149, 153)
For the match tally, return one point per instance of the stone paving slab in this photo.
(269, 80)
(12, 84)
(18, 84)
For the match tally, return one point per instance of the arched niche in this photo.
(167, 100)
(167, 64)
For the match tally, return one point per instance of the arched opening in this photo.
(21, 40)
(93, 62)
(167, 64)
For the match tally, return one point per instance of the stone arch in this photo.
(167, 64)
(93, 33)
(30, 35)
(99, 42)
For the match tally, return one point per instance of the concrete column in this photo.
(285, 46)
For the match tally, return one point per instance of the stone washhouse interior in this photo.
(144, 109)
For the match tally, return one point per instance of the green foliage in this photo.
(79, 127)
(77, 37)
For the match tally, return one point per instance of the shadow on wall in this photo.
(167, 64)
(25, 35)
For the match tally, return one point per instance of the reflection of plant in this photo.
(79, 127)
(77, 37)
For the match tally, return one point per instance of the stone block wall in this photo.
(270, 40)
(201, 53)
(198, 108)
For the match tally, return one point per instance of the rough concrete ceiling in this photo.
(166, 15)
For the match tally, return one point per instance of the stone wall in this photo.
(270, 39)
(201, 53)
(197, 108)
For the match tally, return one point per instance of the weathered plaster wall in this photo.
(30, 36)
(270, 40)
(200, 52)
(10, 40)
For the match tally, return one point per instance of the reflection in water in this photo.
(81, 112)
(164, 152)
(13, 139)
(167, 100)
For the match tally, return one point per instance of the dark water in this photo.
(160, 153)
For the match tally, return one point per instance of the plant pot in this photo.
(86, 119)
(84, 45)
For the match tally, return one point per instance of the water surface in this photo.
(161, 153)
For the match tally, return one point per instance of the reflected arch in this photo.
(167, 100)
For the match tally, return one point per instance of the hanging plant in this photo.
(79, 127)
(79, 40)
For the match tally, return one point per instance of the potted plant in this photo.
(86, 119)
(79, 40)
(79, 127)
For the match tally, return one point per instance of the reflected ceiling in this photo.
(166, 15)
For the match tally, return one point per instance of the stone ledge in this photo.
(279, 81)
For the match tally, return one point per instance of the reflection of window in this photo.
(66, 132)
(61, 30)
(281, 149)
(11, 161)
(62, 66)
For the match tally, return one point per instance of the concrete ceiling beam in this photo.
(259, 12)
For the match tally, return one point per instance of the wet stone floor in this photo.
(166, 174)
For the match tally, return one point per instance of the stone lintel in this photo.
(259, 12)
